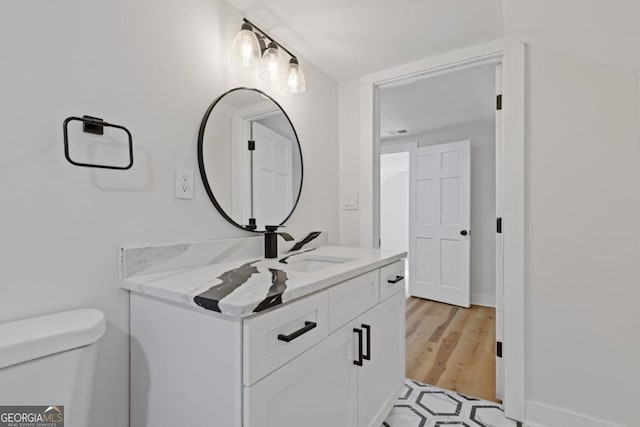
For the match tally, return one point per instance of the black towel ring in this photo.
(95, 126)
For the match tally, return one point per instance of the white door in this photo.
(439, 222)
(317, 389)
(381, 376)
(272, 176)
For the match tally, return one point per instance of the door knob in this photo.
(464, 232)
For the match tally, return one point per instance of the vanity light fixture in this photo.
(245, 49)
(295, 77)
(249, 49)
(272, 68)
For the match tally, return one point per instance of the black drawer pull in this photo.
(396, 280)
(367, 328)
(293, 335)
(360, 355)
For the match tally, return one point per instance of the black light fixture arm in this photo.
(264, 34)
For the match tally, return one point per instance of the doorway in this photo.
(438, 202)
(510, 182)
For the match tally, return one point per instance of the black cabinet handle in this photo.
(360, 355)
(464, 232)
(396, 280)
(293, 335)
(367, 328)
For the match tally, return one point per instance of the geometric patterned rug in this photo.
(423, 405)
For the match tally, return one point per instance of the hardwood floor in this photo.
(452, 347)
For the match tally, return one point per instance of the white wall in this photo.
(582, 209)
(349, 158)
(604, 31)
(394, 201)
(218, 149)
(153, 67)
(582, 237)
(483, 200)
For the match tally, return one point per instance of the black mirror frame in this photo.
(203, 174)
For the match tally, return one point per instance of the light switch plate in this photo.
(350, 201)
(184, 183)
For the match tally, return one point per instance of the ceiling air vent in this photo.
(395, 132)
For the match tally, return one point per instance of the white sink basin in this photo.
(309, 263)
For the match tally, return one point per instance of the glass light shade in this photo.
(295, 77)
(245, 49)
(273, 66)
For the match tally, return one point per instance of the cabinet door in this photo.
(316, 389)
(381, 378)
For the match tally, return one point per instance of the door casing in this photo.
(510, 161)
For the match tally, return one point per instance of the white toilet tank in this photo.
(50, 360)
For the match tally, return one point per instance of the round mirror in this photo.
(250, 159)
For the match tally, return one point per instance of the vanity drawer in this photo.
(391, 279)
(272, 339)
(351, 298)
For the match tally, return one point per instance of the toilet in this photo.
(50, 360)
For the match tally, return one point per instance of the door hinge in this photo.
(499, 349)
(252, 145)
(499, 225)
(499, 102)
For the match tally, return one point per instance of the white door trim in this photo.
(499, 249)
(512, 57)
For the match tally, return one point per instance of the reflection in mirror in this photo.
(250, 159)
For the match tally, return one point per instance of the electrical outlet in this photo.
(350, 201)
(184, 183)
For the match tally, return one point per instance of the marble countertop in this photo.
(241, 288)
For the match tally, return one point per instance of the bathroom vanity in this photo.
(312, 338)
(225, 335)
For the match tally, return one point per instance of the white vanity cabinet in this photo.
(381, 376)
(324, 387)
(317, 389)
(332, 358)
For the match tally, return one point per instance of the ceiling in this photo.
(439, 103)
(351, 38)
(604, 31)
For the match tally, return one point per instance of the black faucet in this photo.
(271, 234)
